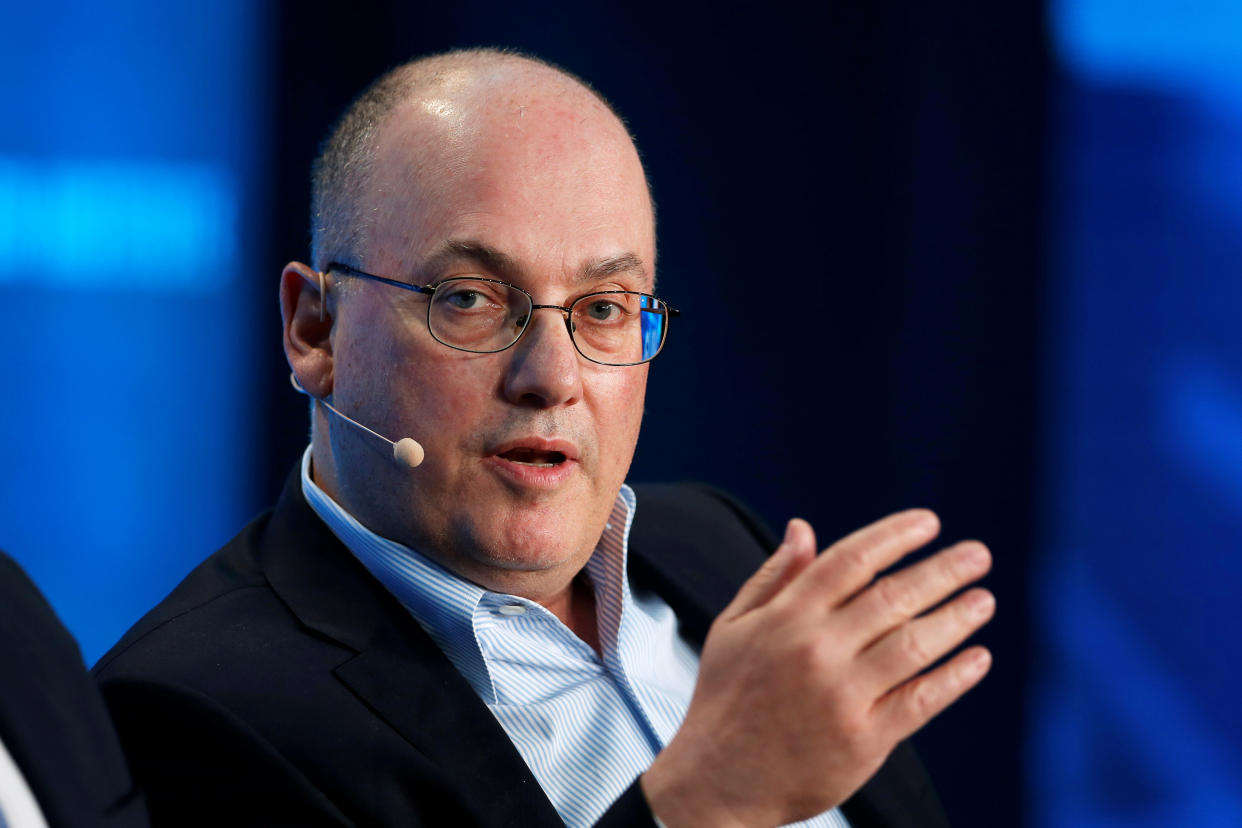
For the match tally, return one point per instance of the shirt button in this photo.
(513, 609)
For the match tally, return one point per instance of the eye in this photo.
(463, 299)
(470, 295)
(602, 310)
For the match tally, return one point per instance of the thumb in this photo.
(795, 553)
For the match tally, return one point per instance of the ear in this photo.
(308, 327)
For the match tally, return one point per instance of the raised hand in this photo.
(816, 670)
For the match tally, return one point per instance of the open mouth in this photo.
(534, 457)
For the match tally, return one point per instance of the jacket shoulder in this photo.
(217, 604)
(698, 507)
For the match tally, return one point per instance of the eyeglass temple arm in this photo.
(352, 271)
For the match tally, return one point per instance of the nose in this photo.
(545, 369)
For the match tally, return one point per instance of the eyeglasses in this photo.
(485, 316)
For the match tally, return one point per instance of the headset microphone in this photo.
(407, 450)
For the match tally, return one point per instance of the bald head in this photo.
(445, 104)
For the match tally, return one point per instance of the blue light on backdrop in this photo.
(64, 223)
(121, 213)
(1136, 721)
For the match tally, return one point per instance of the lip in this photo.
(538, 477)
(533, 443)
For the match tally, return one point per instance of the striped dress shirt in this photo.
(585, 724)
(18, 806)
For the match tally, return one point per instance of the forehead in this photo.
(543, 173)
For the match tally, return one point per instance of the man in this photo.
(505, 634)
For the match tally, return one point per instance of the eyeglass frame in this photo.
(430, 290)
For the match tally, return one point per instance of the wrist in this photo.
(683, 799)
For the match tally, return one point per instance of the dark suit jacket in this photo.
(52, 719)
(282, 683)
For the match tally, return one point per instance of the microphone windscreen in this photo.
(408, 451)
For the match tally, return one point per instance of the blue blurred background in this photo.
(977, 256)
(128, 167)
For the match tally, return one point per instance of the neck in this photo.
(575, 607)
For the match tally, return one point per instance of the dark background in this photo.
(850, 202)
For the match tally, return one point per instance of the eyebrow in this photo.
(498, 262)
(489, 258)
(611, 266)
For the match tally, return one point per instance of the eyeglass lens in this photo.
(614, 328)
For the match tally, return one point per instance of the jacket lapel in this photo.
(398, 671)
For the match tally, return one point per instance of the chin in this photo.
(534, 548)
(532, 543)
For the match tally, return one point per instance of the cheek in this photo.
(407, 383)
(620, 407)
(445, 397)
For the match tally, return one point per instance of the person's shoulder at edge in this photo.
(53, 724)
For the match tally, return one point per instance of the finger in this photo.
(913, 704)
(896, 598)
(795, 553)
(913, 647)
(852, 562)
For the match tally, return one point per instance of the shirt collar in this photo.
(445, 604)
